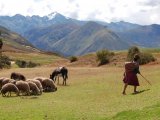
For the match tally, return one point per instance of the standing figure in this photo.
(130, 75)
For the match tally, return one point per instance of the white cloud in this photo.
(135, 11)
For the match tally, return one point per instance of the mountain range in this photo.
(89, 38)
(68, 36)
(14, 42)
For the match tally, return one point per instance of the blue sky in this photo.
(135, 11)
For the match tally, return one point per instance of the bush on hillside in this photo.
(31, 64)
(1, 43)
(21, 63)
(25, 64)
(144, 56)
(104, 56)
(131, 52)
(4, 62)
(73, 58)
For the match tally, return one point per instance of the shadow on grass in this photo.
(63, 85)
(139, 92)
(9, 96)
(29, 97)
(22, 97)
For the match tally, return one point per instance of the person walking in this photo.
(130, 74)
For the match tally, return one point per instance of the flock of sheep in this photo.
(18, 84)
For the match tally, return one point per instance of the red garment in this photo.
(131, 78)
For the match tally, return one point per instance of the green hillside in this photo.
(14, 42)
(46, 36)
(89, 38)
(18, 48)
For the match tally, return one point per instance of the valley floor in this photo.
(92, 93)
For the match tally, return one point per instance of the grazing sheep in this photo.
(13, 81)
(17, 76)
(39, 79)
(33, 87)
(9, 87)
(38, 83)
(23, 87)
(1, 79)
(6, 80)
(48, 85)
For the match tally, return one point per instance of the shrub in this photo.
(1, 43)
(131, 52)
(103, 56)
(24, 64)
(73, 58)
(144, 56)
(32, 64)
(4, 62)
(21, 63)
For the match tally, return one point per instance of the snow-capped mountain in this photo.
(21, 24)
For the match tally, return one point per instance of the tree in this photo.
(1, 44)
(103, 56)
(144, 56)
(131, 52)
(73, 58)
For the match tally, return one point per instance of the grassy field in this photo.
(91, 94)
(40, 58)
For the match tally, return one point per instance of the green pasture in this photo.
(40, 58)
(91, 94)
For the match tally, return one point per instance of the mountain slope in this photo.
(145, 36)
(22, 24)
(44, 37)
(14, 42)
(55, 30)
(89, 38)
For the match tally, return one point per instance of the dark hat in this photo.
(136, 56)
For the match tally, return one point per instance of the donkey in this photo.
(60, 71)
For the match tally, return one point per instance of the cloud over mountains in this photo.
(135, 11)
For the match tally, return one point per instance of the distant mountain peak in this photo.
(18, 16)
(52, 15)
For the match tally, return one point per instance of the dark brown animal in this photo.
(17, 76)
